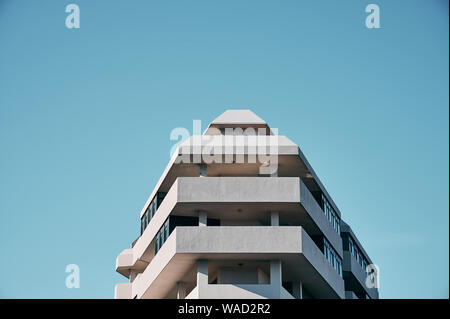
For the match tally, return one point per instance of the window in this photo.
(162, 235)
(351, 247)
(157, 245)
(166, 228)
(151, 210)
(357, 254)
(332, 257)
(331, 215)
(340, 269)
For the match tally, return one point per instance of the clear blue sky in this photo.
(85, 118)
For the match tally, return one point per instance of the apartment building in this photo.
(240, 213)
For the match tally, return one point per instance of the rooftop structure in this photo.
(240, 213)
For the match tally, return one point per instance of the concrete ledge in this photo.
(239, 239)
(238, 144)
(123, 291)
(239, 190)
(290, 244)
(125, 261)
(225, 190)
(244, 292)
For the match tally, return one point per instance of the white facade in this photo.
(237, 214)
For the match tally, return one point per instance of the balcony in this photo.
(300, 258)
(241, 199)
(240, 292)
(356, 276)
(123, 291)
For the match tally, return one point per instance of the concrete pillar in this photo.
(181, 290)
(297, 288)
(202, 277)
(202, 218)
(275, 277)
(133, 275)
(274, 174)
(263, 278)
(203, 170)
(274, 219)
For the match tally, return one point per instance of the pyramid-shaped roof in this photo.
(238, 117)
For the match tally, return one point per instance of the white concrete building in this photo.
(240, 213)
